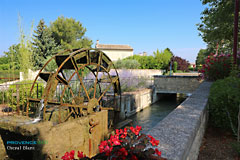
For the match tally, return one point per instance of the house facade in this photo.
(115, 52)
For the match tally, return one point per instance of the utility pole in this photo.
(235, 34)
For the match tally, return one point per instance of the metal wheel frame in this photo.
(76, 109)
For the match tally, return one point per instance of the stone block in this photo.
(73, 134)
(3, 153)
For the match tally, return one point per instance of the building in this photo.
(115, 52)
(143, 54)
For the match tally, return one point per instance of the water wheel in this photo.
(78, 82)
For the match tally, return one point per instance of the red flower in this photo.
(119, 131)
(72, 153)
(123, 151)
(102, 146)
(158, 152)
(68, 156)
(107, 150)
(123, 136)
(80, 155)
(114, 140)
(153, 141)
(136, 130)
(134, 157)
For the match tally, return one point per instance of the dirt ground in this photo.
(217, 145)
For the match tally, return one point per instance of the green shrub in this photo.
(224, 101)
(24, 91)
(127, 64)
(11, 73)
(3, 97)
(191, 69)
(4, 66)
(175, 66)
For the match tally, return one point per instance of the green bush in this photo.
(175, 66)
(4, 66)
(224, 101)
(127, 64)
(10, 97)
(11, 73)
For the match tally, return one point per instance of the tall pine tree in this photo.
(43, 45)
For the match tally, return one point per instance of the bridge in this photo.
(176, 84)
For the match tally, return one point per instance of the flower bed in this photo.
(127, 143)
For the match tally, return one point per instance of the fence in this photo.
(6, 76)
(13, 97)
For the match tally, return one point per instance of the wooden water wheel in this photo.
(81, 81)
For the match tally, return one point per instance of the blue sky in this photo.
(146, 25)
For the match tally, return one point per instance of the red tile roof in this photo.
(114, 47)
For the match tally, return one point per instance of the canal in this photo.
(150, 116)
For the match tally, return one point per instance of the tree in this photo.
(43, 45)
(201, 56)
(25, 49)
(217, 24)
(182, 64)
(168, 49)
(174, 66)
(12, 57)
(69, 33)
(163, 58)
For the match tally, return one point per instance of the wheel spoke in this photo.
(84, 88)
(80, 88)
(104, 92)
(81, 81)
(96, 80)
(71, 91)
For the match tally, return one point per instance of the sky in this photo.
(145, 25)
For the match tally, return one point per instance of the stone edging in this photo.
(177, 76)
(181, 132)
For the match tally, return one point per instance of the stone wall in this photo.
(31, 75)
(181, 132)
(58, 139)
(186, 74)
(114, 55)
(176, 84)
(2, 149)
(136, 101)
(125, 73)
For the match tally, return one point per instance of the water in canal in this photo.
(150, 116)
